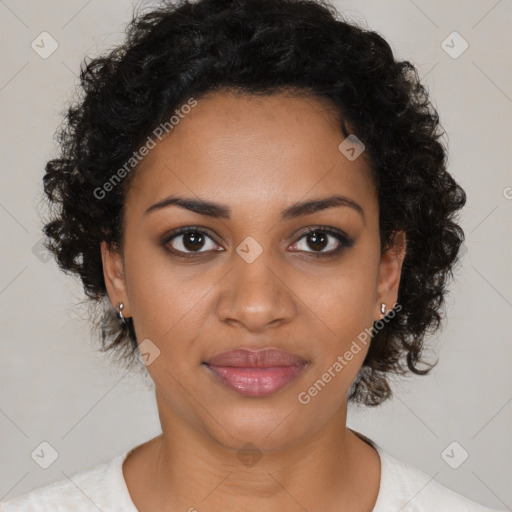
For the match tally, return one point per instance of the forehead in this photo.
(252, 151)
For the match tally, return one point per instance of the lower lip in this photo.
(256, 381)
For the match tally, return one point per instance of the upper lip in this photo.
(263, 358)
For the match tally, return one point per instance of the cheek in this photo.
(345, 301)
(344, 306)
(165, 298)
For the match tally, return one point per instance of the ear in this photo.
(390, 271)
(113, 273)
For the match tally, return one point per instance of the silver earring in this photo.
(383, 308)
(121, 317)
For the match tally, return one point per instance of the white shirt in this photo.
(403, 488)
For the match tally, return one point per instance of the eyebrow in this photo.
(220, 211)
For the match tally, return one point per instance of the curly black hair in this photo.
(183, 50)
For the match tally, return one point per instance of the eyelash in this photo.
(345, 242)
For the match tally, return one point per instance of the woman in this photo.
(258, 188)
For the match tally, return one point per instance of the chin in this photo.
(268, 428)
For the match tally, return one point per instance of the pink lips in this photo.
(256, 373)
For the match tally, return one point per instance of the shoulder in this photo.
(406, 487)
(89, 489)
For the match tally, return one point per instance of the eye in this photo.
(318, 238)
(186, 242)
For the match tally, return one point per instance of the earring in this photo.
(121, 312)
(383, 309)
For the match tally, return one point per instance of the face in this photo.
(248, 273)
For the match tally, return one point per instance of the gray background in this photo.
(56, 388)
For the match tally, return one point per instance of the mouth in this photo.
(255, 373)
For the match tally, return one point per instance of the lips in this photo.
(255, 373)
(264, 358)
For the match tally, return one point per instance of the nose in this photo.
(256, 295)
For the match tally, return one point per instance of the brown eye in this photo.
(320, 239)
(317, 239)
(189, 241)
(193, 240)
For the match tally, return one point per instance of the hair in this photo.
(188, 49)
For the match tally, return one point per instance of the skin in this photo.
(256, 155)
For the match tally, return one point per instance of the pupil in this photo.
(195, 240)
(315, 238)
